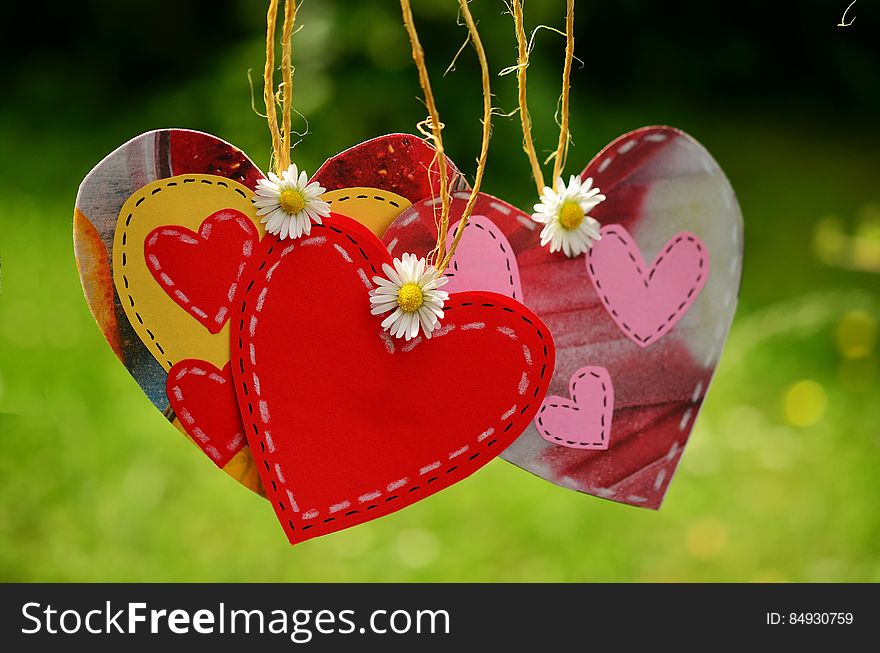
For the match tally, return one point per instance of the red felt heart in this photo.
(200, 271)
(346, 423)
(204, 400)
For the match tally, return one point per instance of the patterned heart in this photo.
(200, 271)
(659, 183)
(173, 180)
(344, 421)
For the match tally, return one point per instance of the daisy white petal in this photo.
(409, 291)
(289, 204)
(563, 211)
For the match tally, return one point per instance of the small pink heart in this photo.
(484, 259)
(644, 302)
(584, 422)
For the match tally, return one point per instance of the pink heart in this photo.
(646, 302)
(584, 422)
(484, 259)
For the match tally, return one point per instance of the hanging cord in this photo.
(560, 156)
(564, 136)
(442, 255)
(525, 118)
(280, 134)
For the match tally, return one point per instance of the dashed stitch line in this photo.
(264, 436)
(682, 307)
(128, 219)
(379, 198)
(576, 408)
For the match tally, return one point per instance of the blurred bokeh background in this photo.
(781, 480)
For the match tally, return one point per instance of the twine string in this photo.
(564, 136)
(433, 127)
(560, 155)
(280, 133)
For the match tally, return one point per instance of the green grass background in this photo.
(780, 481)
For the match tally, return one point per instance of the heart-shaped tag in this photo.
(177, 179)
(343, 420)
(659, 183)
(204, 400)
(200, 271)
(584, 421)
(646, 302)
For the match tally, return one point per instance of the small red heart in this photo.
(200, 271)
(348, 424)
(204, 400)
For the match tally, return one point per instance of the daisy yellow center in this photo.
(410, 297)
(571, 215)
(292, 201)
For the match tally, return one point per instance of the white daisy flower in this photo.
(564, 214)
(289, 204)
(411, 290)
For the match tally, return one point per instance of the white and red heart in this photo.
(345, 423)
(200, 271)
(204, 401)
(659, 183)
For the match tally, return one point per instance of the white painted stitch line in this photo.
(199, 312)
(235, 442)
(655, 137)
(443, 330)
(626, 147)
(507, 331)
(231, 294)
(461, 195)
(393, 244)
(316, 240)
(504, 210)
(220, 318)
(183, 413)
(189, 240)
(271, 270)
(212, 451)
(369, 496)
(311, 514)
(508, 413)
(253, 354)
(603, 166)
(434, 202)
(682, 425)
(198, 371)
(523, 384)
(342, 505)
(279, 473)
(458, 452)
(485, 434)
(270, 443)
(527, 222)
(697, 392)
(256, 383)
(604, 492)
(292, 501)
(264, 411)
(673, 451)
(342, 253)
(389, 343)
(287, 250)
(397, 484)
(527, 354)
(366, 281)
(473, 326)
(261, 299)
(636, 499)
(178, 393)
(216, 378)
(408, 220)
(411, 344)
(201, 436)
(661, 476)
(253, 325)
(429, 468)
(166, 280)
